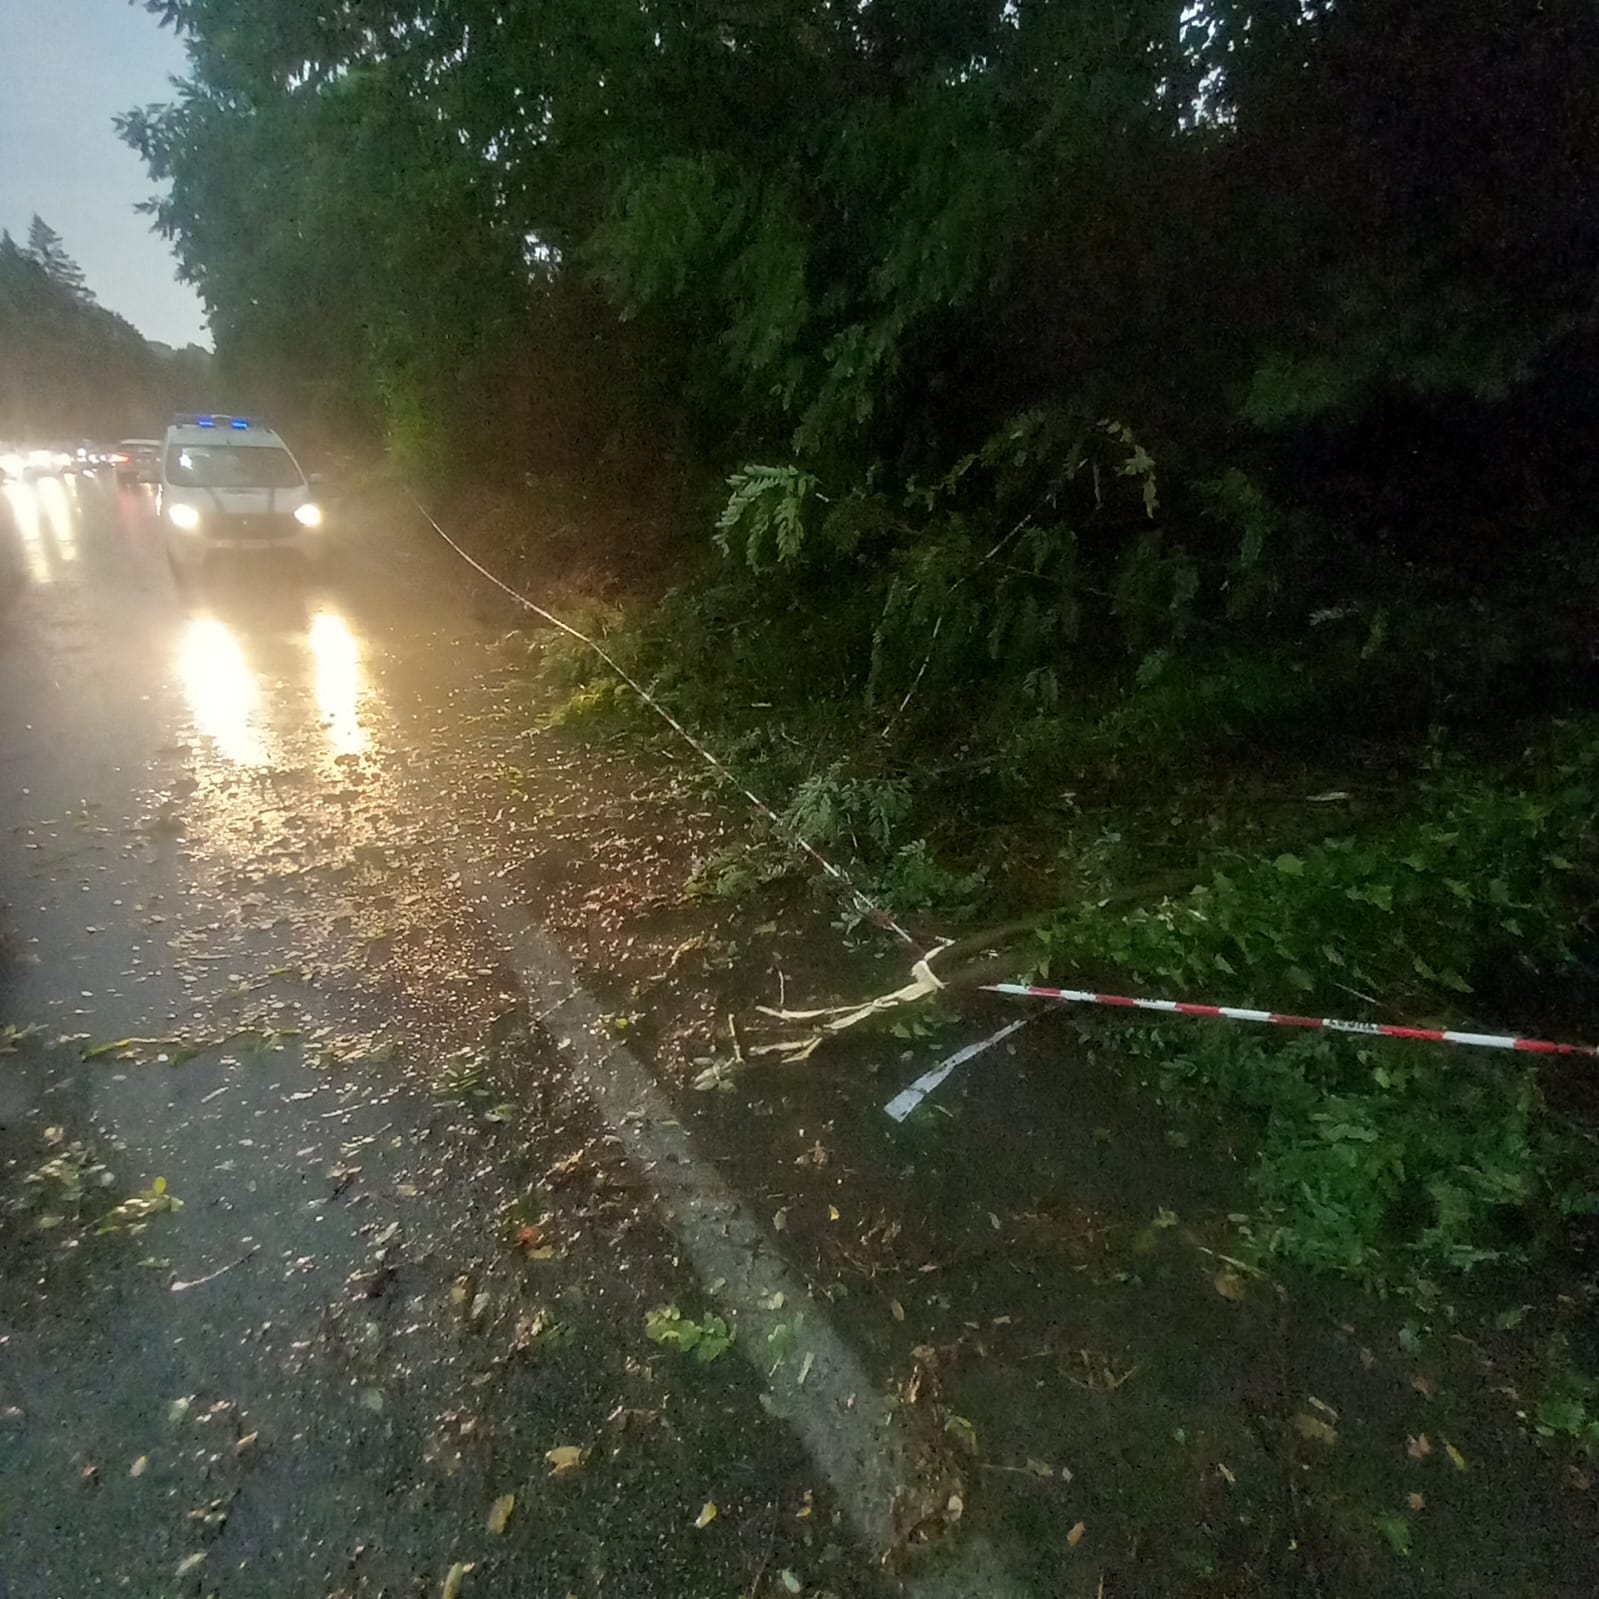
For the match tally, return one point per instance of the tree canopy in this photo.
(1212, 300)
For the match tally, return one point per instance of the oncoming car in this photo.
(227, 483)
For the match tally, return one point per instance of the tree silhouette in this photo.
(46, 248)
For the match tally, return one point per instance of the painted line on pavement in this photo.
(853, 1434)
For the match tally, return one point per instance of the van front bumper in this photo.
(247, 534)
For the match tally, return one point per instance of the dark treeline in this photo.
(69, 368)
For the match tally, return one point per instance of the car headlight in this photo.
(308, 515)
(184, 516)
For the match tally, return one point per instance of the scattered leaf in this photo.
(1040, 1468)
(780, 1220)
(1456, 1459)
(1416, 1501)
(372, 1398)
(565, 1458)
(190, 1563)
(1308, 1426)
(1164, 1218)
(1227, 1475)
(1419, 1448)
(246, 1443)
(140, 1466)
(500, 1513)
(1075, 1536)
(1230, 1284)
(955, 1508)
(960, 1427)
(833, 1213)
(179, 1409)
(807, 1507)
(896, 1309)
(791, 1583)
(708, 1514)
(1395, 1529)
(456, 1578)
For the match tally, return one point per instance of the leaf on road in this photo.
(1395, 1529)
(1419, 1448)
(500, 1512)
(140, 1466)
(190, 1562)
(565, 1458)
(1456, 1459)
(1308, 1426)
(960, 1427)
(1075, 1536)
(896, 1309)
(1416, 1501)
(790, 1582)
(708, 1514)
(1230, 1284)
(456, 1578)
(178, 1410)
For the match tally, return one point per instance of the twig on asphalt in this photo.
(211, 1276)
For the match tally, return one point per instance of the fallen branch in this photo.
(180, 1286)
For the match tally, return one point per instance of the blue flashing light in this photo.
(240, 423)
(205, 421)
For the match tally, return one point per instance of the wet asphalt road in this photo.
(407, 1263)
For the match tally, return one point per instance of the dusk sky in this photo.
(66, 67)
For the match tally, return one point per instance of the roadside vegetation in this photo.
(1130, 465)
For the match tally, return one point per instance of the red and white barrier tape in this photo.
(1325, 1024)
(867, 907)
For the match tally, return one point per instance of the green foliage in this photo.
(835, 807)
(764, 520)
(708, 1340)
(1481, 872)
(1377, 1160)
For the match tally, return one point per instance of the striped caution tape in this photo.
(1325, 1024)
(867, 907)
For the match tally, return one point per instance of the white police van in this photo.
(227, 483)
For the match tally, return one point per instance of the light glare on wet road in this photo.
(221, 689)
(336, 657)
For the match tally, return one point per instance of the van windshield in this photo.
(232, 466)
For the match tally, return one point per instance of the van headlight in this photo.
(184, 516)
(308, 515)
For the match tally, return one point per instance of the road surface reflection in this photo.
(229, 698)
(223, 694)
(46, 523)
(336, 660)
